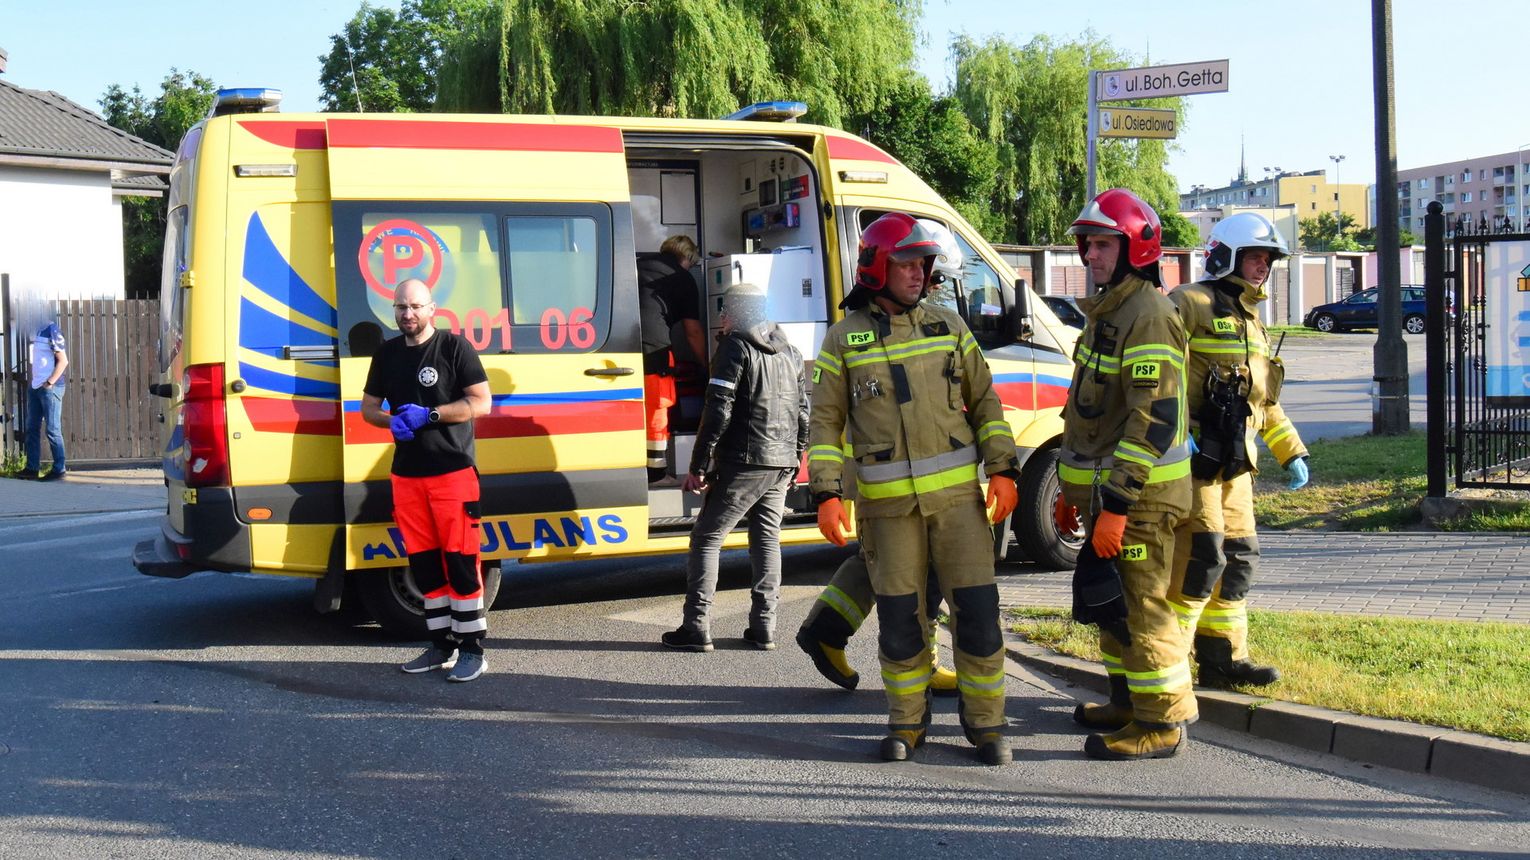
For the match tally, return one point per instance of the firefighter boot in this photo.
(829, 661)
(1136, 741)
(993, 748)
(899, 745)
(1110, 716)
(1219, 669)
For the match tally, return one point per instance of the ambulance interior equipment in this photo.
(755, 218)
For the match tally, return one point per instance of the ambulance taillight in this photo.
(205, 419)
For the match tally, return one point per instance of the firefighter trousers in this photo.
(1216, 556)
(842, 606)
(1156, 662)
(899, 552)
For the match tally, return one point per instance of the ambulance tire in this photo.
(353, 611)
(396, 604)
(1035, 531)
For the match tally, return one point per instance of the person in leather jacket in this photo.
(754, 428)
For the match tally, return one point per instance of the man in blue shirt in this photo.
(45, 402)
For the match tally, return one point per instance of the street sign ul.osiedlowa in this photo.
(1138, 122)
(1209, 76)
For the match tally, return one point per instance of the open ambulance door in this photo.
(516, 228)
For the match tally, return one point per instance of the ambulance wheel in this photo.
(1035, 529)
(392, 598)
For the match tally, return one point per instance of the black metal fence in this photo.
(1479, 395)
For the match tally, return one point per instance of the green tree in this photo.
(683, 58)
(1327, 233)
(1366, 236)
(933, 138)
(390, 59)
(183, 100)
(1031, 102)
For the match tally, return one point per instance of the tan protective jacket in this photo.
(1124, 425)
(912, 396)
(1222, 323)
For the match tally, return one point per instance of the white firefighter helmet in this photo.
(1235, 233)
(948, 262)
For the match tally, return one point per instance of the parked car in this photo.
(1360, 310)
(1067, 310)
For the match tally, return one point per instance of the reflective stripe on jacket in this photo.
(1124, 425)
(912, 399)
(1221, 320)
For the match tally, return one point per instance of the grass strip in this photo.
(1366, 483)
(1473, 676)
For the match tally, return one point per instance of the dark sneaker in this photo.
(433, 658)
(681, 639)
(469, 667)
(762, 641)
(27, 474)
(54, 475)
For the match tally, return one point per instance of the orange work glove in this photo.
(1108, 529)
(1002, 497)
(1065, 515)
(833, 522)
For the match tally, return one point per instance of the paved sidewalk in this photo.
(1474, 576)
(84, 491)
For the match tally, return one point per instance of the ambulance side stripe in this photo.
(266, 270)
(506, 136)
(281, 383)
(292, 135)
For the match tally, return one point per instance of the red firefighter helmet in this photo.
(896, 236)
(1122, 212)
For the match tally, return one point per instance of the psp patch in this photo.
(1145, 374)
(1134, 552)
(860, 338)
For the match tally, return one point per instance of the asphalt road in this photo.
(1328, 383)
(217, 716)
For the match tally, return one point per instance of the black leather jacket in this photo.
(756, 411)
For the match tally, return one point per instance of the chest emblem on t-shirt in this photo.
(428, 376)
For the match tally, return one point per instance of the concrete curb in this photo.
(1447, 753)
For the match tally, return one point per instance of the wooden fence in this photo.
(108, 411)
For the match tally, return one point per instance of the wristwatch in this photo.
(435, 417)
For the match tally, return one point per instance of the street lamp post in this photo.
(1519, 198)
(1338, 208)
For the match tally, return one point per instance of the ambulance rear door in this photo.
(515, 227)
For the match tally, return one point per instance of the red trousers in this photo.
(438, 516)
(658, 396)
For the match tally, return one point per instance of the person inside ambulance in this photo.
(848, 599)
(902, 386)
(667, 297)
(1234, 393)
(1125, 471)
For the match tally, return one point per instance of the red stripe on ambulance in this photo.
(413, 134)
(293, 135)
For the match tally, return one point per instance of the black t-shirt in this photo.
(666, 295)
(431, 374)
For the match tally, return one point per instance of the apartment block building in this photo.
(1478, 194)
(1302, 194)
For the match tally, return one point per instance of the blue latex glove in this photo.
(407, 419)
(1194, 448)
(1299, 473)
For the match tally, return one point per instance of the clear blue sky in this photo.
(1293, 110)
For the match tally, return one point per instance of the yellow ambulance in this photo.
(287, 234)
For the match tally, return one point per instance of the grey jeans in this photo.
(760, 494)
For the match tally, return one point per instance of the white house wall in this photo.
(60, 236)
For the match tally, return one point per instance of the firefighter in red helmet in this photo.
(905, 386)
(1125, 471)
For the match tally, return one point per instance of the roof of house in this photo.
(44, 125)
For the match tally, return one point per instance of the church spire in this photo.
(1242, 161)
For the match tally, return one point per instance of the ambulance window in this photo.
(172, 297)
(984, 294)
(509, 277)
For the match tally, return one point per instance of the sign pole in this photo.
(1094, 130)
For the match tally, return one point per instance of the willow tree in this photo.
(1031, 102)
(683, 58)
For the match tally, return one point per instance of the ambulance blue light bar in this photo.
(770, 112)
(245, 100)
